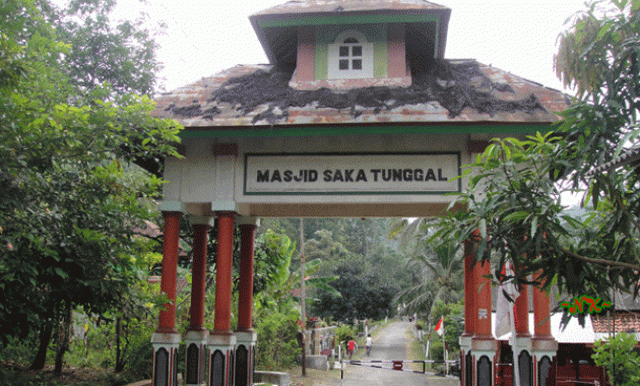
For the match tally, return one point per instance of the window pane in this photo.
(350, 40)
(356, 51)
(344, 51)
(343, 64)
(357, 64)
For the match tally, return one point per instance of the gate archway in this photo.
(286, 140)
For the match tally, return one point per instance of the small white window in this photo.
(350, 57)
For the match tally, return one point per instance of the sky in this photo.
(204, 37)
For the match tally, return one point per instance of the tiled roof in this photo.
(457, 92)
(624, 321)
(326, 6)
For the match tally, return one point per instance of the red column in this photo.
(541, 312)
(245, 301)
(222, 321)
(470, 287)
(522, 312)
(169, 269)
(483, 300)
(198, 273)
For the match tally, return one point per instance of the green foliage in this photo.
(453, 320)
(361, 296)
(278, 346)
(344, 332)
(71, 195)
(437, 267)
(619, 359)
(514, 199)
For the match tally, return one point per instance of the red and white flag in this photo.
(440, 327)
(504, 306)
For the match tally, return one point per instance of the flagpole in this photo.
(513, 341)
(444, 352)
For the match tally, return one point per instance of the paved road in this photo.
(390, 344)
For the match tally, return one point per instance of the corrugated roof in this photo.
(460, 91)
(327, 6)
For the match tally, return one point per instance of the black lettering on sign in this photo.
(276, 176)
(263, 176)
(440, 177)
(362, 176)
(327, 175)
(287, 176)
(337, 176)
(418, 175)
(375, 174)
(313, 175)
(431, 176)
(348, 175)
(407, 174)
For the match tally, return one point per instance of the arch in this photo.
(350, 56)
(217, 369)
(485, 378)
(161, 375)
(242, 365)
(524, 364)
(468, 370)
(193, 363)
(544, 367)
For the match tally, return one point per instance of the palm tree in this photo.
(437, 265)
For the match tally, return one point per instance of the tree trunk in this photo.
(45, 338)
(119, 359)
(64, 334)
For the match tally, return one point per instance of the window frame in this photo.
(335, 59)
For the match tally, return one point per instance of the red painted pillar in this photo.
(246, 337)
(196, 336)
(470, 288)
(522, 312)
(483, 300)
(245, 306)
(222, 321)
(198, 273)
(169, 269)
(541, 312)
(166, 339)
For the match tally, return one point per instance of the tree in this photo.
(357, 295)
(70, 192)
(438, 277)
(514, 198)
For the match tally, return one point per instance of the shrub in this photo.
(278, 345)
(619, 359)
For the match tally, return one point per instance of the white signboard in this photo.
(268, 174)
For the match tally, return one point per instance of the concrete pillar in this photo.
(166, 339)
(196, 336)
(222, 341)
(246, 338)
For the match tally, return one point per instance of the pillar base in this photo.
(483, 351)
(544, 350)
(221, 359)
(196, 357)
(165, 358)
(245, 357)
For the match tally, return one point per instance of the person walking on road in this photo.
(351, 347)
(368, 343)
